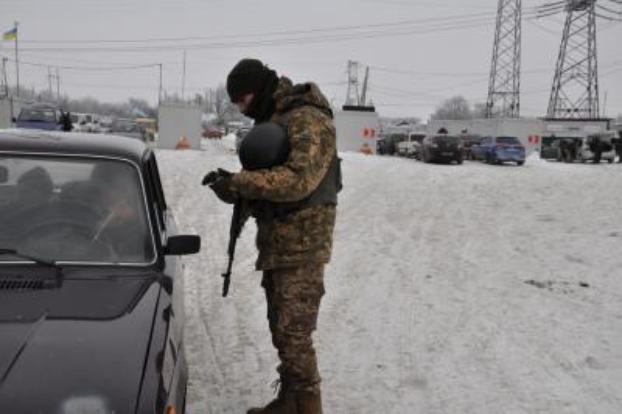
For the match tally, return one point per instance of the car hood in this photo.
(80, 348)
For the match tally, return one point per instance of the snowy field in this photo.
(453, 289)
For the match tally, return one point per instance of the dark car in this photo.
(39, 116)
(549, 149)
(497, 150)
(442, 147)
(91, 294)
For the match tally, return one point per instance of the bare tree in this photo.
(453, 108)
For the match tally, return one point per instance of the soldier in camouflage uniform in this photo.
(295, 206)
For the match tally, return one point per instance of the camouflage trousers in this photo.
(293, 295)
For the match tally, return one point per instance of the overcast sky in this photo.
(420, 52)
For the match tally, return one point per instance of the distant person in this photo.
(65, 121)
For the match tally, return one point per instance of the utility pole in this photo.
(50, 76)
(183, 78)
(57, 84)
(5, 82)
(504, 83)
(352, 97)
(160, 87)
(16, 60)
(363, 101)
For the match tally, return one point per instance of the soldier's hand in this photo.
(224, 173)
(222, 188)
(210, 178)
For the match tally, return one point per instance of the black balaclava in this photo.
(252, 76)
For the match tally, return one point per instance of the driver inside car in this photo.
(121, 223)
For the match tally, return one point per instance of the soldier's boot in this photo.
(284, 403)
(308, 403)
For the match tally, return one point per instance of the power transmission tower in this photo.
(575, 86)
(504, 84)
(352, 97)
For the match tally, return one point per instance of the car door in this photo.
(169, 331)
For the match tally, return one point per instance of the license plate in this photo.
(447, 154)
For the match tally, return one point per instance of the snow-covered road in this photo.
(453, 289)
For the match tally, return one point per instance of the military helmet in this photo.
(265, 146)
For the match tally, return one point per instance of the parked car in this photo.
(411, 148)
(442, 147)
(549, 150)
(39, 116)
(128, 128)
(91, 313)
(85, 122)
(381, 146)
(598, 147)
(497, 150)
(212, 132)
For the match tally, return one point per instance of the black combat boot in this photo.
(284, 403)
(308, 403)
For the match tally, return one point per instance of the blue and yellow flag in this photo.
(11, 34)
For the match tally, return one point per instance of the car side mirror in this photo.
(4, 174)
(182, 245)
(14, 120)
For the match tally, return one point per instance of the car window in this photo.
(74, 210)
(450, 139)
(37, 115)
(508, 140)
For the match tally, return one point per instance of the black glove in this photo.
(222, 188)
(220, 183)
(210, 178)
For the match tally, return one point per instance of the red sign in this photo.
(369, 133)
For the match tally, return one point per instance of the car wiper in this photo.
(37, 260)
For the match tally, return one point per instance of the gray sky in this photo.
(420, 52)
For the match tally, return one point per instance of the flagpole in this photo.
(16, 60)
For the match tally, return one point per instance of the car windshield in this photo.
(125, 126)
(74, 210)
(508, 140)
(449, 139)
(398, 137)
(37, 115)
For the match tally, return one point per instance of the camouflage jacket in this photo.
(306, 235)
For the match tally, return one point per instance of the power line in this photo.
(424, 27)
(268, 34)
(88, 68)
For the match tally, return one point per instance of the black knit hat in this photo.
(245, 77)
